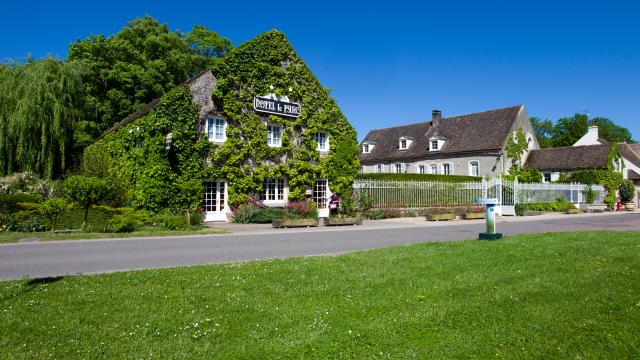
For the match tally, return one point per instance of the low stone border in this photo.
(472, 216)
(441, 217)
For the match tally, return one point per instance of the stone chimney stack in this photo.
(436, 117)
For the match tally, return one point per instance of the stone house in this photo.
(472, 144)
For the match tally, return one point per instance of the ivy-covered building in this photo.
(256, 126)
(473, 144)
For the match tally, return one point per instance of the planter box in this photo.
(533, 213)
(441, 217)
(342, 221)
(629, 206)
(573, 211)
(471, 216)
(593, 208)
(290, 223)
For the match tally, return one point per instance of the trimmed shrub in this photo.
(627, 191)
(123, 223)
(559, 205)
(418, 177)
(172, 222)
(10, 203)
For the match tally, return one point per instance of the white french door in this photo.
(321, 196)
(215, 204)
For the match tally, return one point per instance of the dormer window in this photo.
(436, 143)
(367, 147)
(405, 142)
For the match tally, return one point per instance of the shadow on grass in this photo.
(30, 285)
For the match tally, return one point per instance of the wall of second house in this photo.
(523, 122)
(490, 165)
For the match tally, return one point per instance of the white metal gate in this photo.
(503, 190)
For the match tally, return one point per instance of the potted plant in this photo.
(298, 214)
(440, 214)
(626, 195)
(474, 212)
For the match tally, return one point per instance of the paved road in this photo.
(97, 256)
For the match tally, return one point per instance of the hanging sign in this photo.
(272, 105)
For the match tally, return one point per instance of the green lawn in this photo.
(143, 232)
(572, 295)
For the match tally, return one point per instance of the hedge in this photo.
(9, 202)
(418, 177)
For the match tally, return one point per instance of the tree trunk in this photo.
(188, 217)
(86, 215)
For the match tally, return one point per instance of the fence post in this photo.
(515, 191)
(484, 188)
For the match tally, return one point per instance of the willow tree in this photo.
(40, 101)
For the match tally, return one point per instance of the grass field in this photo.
(142, 232)
(572, 295)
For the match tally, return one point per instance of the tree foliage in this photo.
(53, 209)
(544, 130)
(86, 191)
(140, 63)
(40, 103)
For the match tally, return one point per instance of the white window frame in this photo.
(395, 167)
(450, 166)
(318, 136)
(213, 124)
(379, 168)
(471, 167)
(366, 148)
(276, 196)
(363, 169)
(437, 147)
(421, 169)
(271, 139)
(544, 177)
(432, 167)
(403, 144)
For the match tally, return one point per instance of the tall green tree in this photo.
(569, 130)
(207, 43)
(544, 131)
(40, 103)
(140, 63)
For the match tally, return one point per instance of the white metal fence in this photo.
(422, 194)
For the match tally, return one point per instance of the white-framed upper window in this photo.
(404, 143)
(379, 168)
(474, 168)
(446, 169)
(217, 129)
(273, 190)
(396, 168)
(421, 169)
(433, 169)
(436, 143)
(367, 147)
(274, 135)
(546, 177)
(322, 141)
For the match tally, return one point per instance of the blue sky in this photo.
(393, 63)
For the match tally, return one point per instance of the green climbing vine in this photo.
(609, 177)
(151, 171)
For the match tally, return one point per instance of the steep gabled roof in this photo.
(481, 131)
(627, 151)
(568, 158)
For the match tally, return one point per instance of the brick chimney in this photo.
(436, 116)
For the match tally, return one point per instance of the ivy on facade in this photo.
(152, 168)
